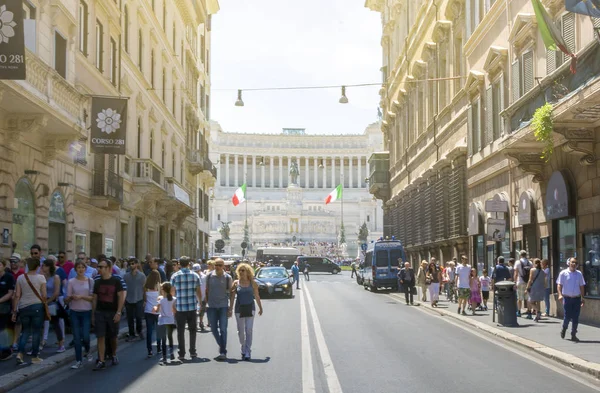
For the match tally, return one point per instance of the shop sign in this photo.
(12, 40)
(496, 229)
(495, 206)
(557, 197)
(109, 125)
(525, 208)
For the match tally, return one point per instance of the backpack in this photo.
(227, 281)
(526, 269)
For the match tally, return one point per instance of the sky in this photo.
(280, 43)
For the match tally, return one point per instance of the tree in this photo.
(246, 233)
(342, 234)
(363, 233)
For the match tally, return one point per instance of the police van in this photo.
(381, 266)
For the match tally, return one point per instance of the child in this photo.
(166, 320)
(485, 281)
(475, 288)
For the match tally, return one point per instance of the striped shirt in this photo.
(186, 284)
(123, 283)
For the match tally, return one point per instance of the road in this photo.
(334, 337)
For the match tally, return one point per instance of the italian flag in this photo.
(334, 195)
(239, 196)
(553, 40)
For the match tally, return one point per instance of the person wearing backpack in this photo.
(521, 277)
(220, 305)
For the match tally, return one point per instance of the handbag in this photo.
(47, 315)
(413, 290)
(246, 310)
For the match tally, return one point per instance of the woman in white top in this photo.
(151, 288)
(79, 298)
(29, 300)
(166, 320)
(546, 270)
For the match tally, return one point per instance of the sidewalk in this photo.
(542, 337)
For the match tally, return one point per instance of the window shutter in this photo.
(568, 33)
(470, 129)
(501, 87)
(489, 117)
(527, 71)
(515, 81)
(477, 126)
(596, 22)
(550, 61)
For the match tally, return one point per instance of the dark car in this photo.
(274, 281)
(319, 265)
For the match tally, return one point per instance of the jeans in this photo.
(183, 317)
(32, 321)
(572, 307)
(6, 334)
(217, 317)
(307, 276)
(245, 327)
(80, 326)
(162, 333)
(451, 294)
(547, 301)
(134, 311)
(151, 323)
(408, 292)
(297, 280)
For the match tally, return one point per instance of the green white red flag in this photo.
(334, 195)
(239, 196)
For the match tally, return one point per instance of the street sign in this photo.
(244, 245)
(496, 206)
(293, 238)
(219, 244)
(363, 246)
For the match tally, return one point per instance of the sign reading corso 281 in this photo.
(109, 125)
(12, 40)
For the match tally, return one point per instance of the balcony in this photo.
(195, 161)
(177, 205)
(107, 190)
(379, 178)
(209, 167)
(148, 178)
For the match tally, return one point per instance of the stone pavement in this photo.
(542, 337)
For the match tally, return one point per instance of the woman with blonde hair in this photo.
(247, 293)
(422, 280)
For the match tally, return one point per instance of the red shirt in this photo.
(67, 266)
(18, 273)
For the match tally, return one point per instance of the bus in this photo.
(279, 255)
(380, 268)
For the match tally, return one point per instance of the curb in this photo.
(20, 376)
(564, 358)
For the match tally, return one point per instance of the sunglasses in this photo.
(102, 266)
(219, 265)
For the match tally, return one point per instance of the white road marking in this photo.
(308, 378)
(333, 383)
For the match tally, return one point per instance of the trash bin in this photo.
(506, 303)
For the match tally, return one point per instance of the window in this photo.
(164, 15)
(368, 218)
(493, 102)
(200, 201)
(126, 28)
(173, 164)
(140, 50)
(474, 126)
(381, 258)
(181, 169)
(164, 85)
(458, 63)
(139, 137)
(522, 75)
(163, 156)
(152, 68)
(99, 45)
(83, 27)
(151, 145)
(113, 62)
(60, 54)
(218, 217)
(174, 99)
(174, 38)
(30, 26)
(566, 26)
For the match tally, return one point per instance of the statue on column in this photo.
(294, 172)
(224, 230)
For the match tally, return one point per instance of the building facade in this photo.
(54, 191)
(518, 196)
(284, 208)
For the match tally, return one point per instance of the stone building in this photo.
(53, 190)
(279, 210)
(515, 198)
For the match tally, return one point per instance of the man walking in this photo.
(188, 294)
(463, 273)
(407, 280)
(107, 305)
(353, 266)
(307, 271)
(220, 305)
(134, 301)
(296, 274)
(571, 286)
(521, 277)
(449, 276)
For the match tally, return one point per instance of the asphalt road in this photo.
(332, 337)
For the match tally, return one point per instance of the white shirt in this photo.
(519, 268)
(463, 273)
(165, 314)
(571, 282)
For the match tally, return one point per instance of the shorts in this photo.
(521, 292)
(464, 293)
(485, 295)
(104, 326)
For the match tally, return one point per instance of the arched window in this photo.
(126, 28)
(23, 217)
(152, 145)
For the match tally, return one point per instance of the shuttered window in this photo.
(551, 61)
(489, 117)
(515, 83)
(498, 106)
(568, 33)
(596, 22)
(476, 126)
(527, 75)
(470, 130)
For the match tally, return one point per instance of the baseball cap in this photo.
(94, 260)
(15, 256)
(196, 267)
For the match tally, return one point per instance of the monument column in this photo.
(367, 166)
(227, 170)
(342, 179)
(350, 185)
(245, 168)
(324, 173)
(235, 170)
(333, 185)
(253, 171)
(271, 166)
(315, 174)
(360, 178)
(280, 171)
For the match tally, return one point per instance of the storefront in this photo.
(498, 230)
(23, 217)
(560, 211)
(57, 220)
(476, 234)
(527, 222)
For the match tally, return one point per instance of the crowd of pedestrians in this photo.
(93, 294)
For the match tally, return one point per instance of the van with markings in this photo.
(380, 268)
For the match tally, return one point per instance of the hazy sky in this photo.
(273, 43)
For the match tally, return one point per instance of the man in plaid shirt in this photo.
(188, 294)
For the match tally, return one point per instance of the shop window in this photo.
(80, 243)
(23, 217)
(591, 263)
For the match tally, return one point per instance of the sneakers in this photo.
(562, 333)
(88, 356)
(163, 362)
(172, 357)
(77, 365)
(574, 338)
(20, 360)
(150, 354)
(130, 338)
(193, 355)
(518, 313)
(99, 366)
(463, 312)
(36, 360)
(61, 349)
(158, 350)
(115, 361)
(221, 357)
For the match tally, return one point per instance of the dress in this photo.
(538, 288)
(475, 293)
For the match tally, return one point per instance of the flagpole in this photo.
(246, 200)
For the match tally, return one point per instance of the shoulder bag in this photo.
(47, 315)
